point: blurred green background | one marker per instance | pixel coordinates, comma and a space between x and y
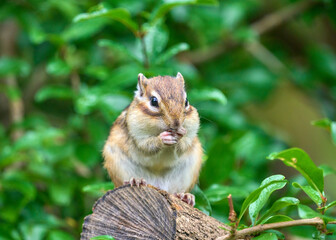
257, 71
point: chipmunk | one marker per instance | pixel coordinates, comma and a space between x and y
155, 139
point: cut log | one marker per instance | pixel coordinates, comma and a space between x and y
148, 213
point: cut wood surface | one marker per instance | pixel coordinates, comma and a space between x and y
148, 213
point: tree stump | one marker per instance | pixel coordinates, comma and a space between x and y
148, 213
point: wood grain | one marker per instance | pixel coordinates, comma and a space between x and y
148, 213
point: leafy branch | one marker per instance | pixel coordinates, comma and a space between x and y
299, 160
141, 31
259, 27
318, 222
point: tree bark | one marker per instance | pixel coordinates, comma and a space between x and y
148, 213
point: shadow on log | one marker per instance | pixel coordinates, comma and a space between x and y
148, 213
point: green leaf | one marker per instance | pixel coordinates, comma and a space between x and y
96, 99
264, 195
323, 60
277, 205
329, 125
255, 194
113, 103
245, 35
333, 132
219, 164
56, 92
121, 15
16, 192
325, 123
202, 202
156, 40
102, 237
83, 29
36, 33
279, 235
58, 67
327, 170
13, 66
266, 236
87, 154
276, 218
216, 192
59, 235
86, 102
19, 184
124, 76
307, 212
206, 94
33, 230
98, 188
13, 93
300, 160
312, 193
332, 204
164, 8
318, 235
35, 139
119, 47
171, 52
207, 2
61, 194
234, 13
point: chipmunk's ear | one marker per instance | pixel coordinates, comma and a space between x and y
142, 83
180, 77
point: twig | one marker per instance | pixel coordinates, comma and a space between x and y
232, 214
261, 26
15, 106
260, 228
199, 56
75, 81
323, 204
275, 19
267, 58
8, 33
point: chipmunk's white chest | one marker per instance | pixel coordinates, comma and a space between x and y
166, 170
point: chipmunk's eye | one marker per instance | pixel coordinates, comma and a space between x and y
186, 102
154, 102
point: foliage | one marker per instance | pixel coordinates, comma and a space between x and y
103, 237
73, 65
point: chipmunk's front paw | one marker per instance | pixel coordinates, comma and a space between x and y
186, 197
136, 182
168, 138
181, 131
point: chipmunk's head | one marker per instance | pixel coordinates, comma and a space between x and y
164, 99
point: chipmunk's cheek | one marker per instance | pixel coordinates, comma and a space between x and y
187, 125
153, 126
191, 126
162, 125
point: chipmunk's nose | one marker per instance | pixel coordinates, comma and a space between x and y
176, 123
